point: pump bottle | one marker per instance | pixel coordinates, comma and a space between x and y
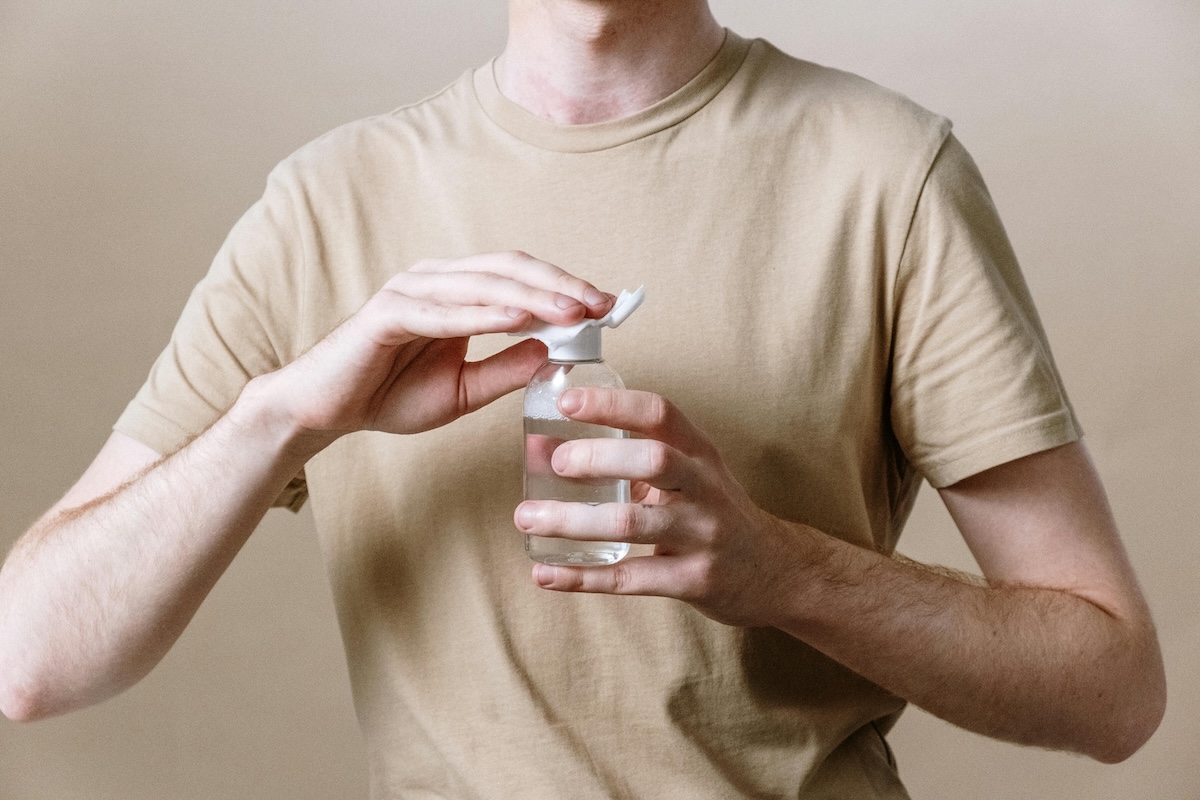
574, 360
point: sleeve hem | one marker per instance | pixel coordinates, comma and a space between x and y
1034, 436
152, 429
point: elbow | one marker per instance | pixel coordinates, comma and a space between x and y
1131, 724
31, 695
26, 693
1129, 734
1119, 745
21, 705
18, 712
29, 692
23, 696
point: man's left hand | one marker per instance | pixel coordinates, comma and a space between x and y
713, 547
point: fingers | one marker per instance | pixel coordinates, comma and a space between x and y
609, 522
524, 269
486, 289
657, 576
390, 319
670, 460
646, 413
646, 460
489, 293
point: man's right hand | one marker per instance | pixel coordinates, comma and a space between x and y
398, 365
95, 593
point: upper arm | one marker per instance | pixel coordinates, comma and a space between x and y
120, 459
1044, 521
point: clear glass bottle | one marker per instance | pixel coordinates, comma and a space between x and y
545, 430
575, 360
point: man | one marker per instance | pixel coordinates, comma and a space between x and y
834, 314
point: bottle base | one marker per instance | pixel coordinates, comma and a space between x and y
563, 552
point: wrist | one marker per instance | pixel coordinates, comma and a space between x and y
803, 569
262, 413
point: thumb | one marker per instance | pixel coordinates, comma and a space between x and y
495, 376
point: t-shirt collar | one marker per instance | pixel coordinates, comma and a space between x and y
669, 111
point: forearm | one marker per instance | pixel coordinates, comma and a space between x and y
91, 598
1057, 650
1037, 666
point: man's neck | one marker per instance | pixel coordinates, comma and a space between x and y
580, 61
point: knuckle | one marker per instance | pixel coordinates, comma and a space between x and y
628, 522
660, 411
593, 458
517, 258
705, 577
434, 310
602, 400
568, 283
708, 530
621, 579
657, 457
694, 582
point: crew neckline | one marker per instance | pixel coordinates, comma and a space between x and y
591, 137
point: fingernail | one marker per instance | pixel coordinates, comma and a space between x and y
570, 401
514, 312
526, 516
564, 302
595, 297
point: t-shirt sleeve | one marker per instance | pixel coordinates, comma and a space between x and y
239, 322
973, 382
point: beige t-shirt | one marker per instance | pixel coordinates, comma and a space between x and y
831, 298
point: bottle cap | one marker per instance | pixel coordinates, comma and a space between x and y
581, 341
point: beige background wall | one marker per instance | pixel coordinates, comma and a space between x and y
133, 134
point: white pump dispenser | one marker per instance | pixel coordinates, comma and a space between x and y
574, 361
581, 341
